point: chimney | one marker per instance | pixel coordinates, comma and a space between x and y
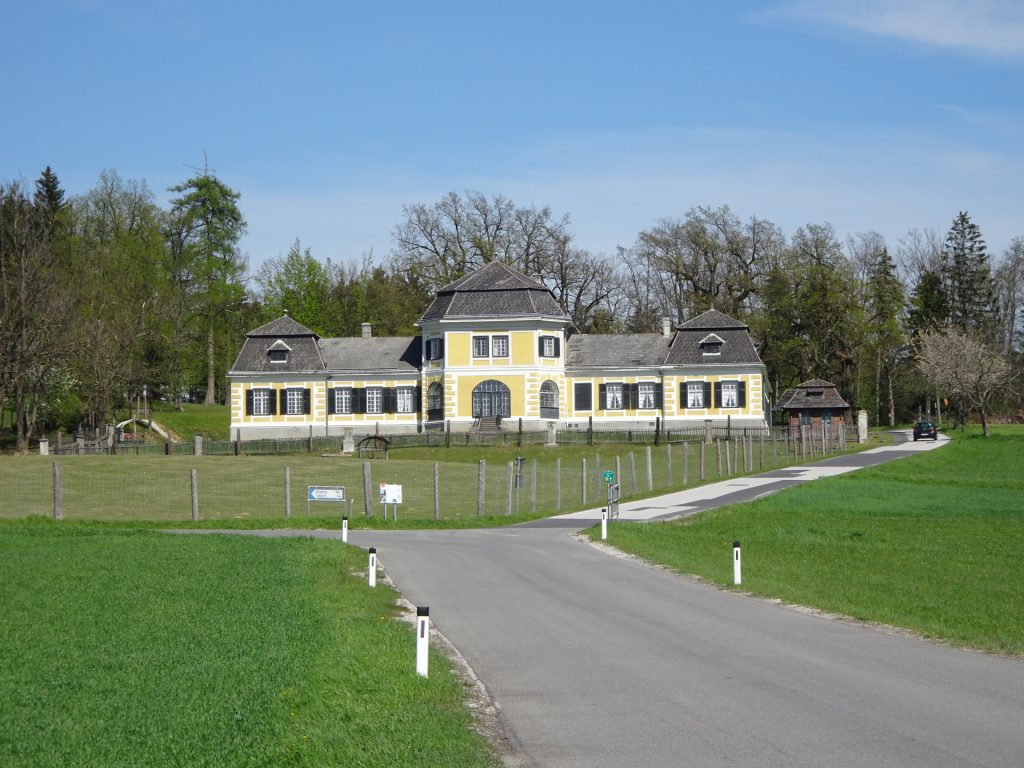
666, 327
367, 333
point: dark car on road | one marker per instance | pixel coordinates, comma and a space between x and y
924, 429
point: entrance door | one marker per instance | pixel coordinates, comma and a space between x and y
491, 398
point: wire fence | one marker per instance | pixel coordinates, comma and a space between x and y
271, 479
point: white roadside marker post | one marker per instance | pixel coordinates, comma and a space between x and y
736, 564
422, 639
344, 529
604, 525
372, 573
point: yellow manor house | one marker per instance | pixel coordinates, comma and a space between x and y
495, 351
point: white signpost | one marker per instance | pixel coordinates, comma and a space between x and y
390, 494
324, 493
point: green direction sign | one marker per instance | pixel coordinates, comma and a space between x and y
609, 477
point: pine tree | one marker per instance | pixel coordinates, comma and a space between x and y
967, 278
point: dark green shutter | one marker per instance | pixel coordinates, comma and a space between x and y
742, 394
282, 396
558, 347
359, 400
632, 393
602, 396
707, 394
718, 395
418, 402
248, 402
331, 408
583, 396
307, 402
683, 402
389, 400
657, 395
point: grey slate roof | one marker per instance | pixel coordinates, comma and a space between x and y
615, 351
495, 290
283, 326
381, 353
805, 396
737, 346
304, 355
711, 320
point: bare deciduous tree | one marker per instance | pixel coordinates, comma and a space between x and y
963, 367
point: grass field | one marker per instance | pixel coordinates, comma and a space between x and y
934, 543
249, 491
125, 648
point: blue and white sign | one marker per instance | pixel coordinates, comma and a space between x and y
326, 493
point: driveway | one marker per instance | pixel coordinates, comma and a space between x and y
596, 660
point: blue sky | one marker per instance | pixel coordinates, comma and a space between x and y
878, 115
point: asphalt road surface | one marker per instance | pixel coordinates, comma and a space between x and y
598, 660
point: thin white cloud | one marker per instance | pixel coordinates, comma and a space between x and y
984, 27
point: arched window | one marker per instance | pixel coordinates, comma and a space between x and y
435, 402
549, 400
491, 398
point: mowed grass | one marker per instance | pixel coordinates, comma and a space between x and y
932, 543
125, 648
249, 491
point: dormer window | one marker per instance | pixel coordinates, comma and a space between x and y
278, 352
711, 344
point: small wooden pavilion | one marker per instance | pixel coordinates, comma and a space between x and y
813, 404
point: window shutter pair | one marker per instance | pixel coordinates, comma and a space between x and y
282, 394
583, 396
557, 346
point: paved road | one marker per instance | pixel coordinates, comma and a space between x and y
596, 660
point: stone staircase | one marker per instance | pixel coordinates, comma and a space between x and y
490, 425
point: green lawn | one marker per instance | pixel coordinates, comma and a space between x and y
249, 491
210, 421
933, 543
124, 648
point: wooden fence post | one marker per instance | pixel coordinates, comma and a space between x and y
508, 489
437, 505
195, 496
686, 464
618, 473
367, 490
702, 444
481, 480
288, 493
650, 471
597, 477
58, 490
668, 455
632, 470
558, 484
583, 484
533, 485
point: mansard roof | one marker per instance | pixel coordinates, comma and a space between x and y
494, 291
709, 328
815, 393
283, 326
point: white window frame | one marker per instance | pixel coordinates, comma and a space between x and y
343, 400
500, 345
435, 396
646, 395
434, 349
375, 400
261, 401
730, 388
405, 399
294, 401
278, 356
695, 394
547, 346
613, 396
481, 347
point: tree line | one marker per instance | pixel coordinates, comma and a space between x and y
105, 294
